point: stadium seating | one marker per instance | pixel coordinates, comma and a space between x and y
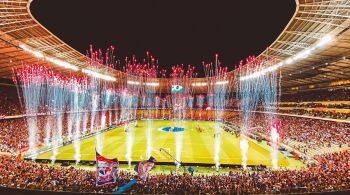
300, 133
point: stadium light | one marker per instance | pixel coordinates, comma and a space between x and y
58, 62
98, 75
133, 82
62, 63
301, 55
221, 83
37, 54
152, 84
200, 84
325, 40
289, 61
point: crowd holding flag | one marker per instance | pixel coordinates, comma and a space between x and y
106, 170
142, 168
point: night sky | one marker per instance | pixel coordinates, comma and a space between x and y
175, 32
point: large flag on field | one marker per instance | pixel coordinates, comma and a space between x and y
143, 168
106, 170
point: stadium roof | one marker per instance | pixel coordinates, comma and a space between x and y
312, 21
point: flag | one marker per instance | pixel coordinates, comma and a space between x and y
106, 170
125, 187
142, 168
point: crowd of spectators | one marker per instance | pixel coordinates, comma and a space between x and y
13, 135
319, 95
9, 103
331, 174
317, 113
334, 110
312, 133
318, 105
315, 133
14, 132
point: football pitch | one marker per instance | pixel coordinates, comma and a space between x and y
197, 146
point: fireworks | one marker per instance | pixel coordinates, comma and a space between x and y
218, 91
87, 104
181, 95
275, 131
45, 91
263, 91
62, 97
33, 80
140, 88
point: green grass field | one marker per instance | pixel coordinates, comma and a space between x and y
197, 147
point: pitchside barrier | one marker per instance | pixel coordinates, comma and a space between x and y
92, 163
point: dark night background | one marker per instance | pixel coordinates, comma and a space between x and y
175, 32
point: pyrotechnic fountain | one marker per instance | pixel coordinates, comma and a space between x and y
57, 93
78, 88
72, 98
169, 104
149, 72
141, 87
200, 104
181, 89
32, 79
210, 100
126, 112
116, 101
218, 91
74, 116
189, 104
64, 97
95, 58
150, 91
100, 90
156, 105
262, 90
163, 107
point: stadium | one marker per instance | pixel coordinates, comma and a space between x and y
73, 122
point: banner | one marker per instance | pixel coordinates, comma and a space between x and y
106, 170
143, 168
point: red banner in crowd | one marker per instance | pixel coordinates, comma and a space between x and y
106, 170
